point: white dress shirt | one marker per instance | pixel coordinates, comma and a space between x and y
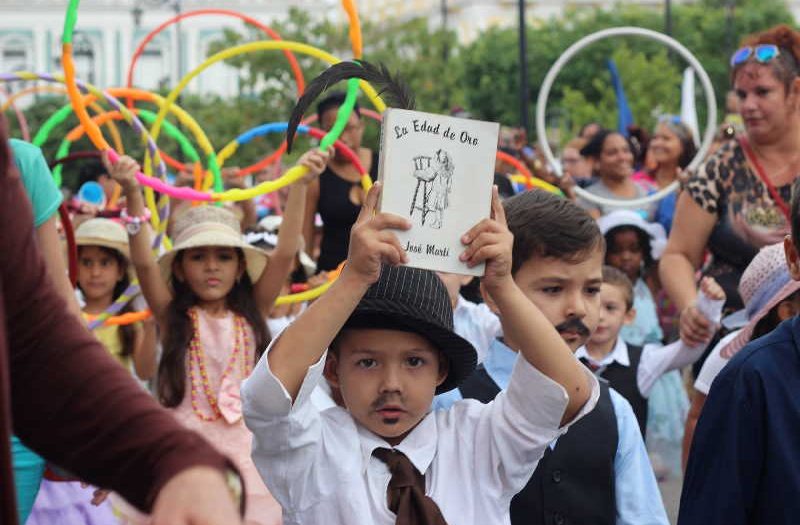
714, 364
656, 359
477, 324
475, 457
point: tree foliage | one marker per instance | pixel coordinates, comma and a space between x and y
482, 76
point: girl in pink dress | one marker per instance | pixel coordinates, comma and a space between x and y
210, 296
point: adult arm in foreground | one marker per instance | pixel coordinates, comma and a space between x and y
99, 423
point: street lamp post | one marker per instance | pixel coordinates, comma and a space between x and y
730, 8
523, 70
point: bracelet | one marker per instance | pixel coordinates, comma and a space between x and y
133, 224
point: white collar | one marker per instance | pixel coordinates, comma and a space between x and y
618, 354
419, 445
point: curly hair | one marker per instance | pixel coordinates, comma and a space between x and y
786, 66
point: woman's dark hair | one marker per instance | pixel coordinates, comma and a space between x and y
639, 140
644, 242
91, 171
545, 225
334, 100
171, 384
594, 148
770, 321
786, 66
684, 134
127, 333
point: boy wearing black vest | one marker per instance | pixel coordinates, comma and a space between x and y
598, 473
383, 336
633, 370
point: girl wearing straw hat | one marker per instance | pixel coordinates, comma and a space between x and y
104, 273
210, 295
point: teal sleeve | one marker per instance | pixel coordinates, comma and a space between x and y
45, 197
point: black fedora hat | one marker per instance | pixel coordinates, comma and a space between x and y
414, 300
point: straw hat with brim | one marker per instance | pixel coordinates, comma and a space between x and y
764, 284
105, 233
619, 218
211, 226
414, 300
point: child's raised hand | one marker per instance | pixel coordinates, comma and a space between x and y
315, 160
491, 242
372, 241
123, 171
711, 289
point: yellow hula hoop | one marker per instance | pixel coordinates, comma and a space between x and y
295, 173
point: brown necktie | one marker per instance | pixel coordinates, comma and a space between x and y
406, 492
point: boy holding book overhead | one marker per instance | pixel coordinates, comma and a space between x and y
383, 335
598, 473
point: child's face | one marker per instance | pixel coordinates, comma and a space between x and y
387, 379
567, 293
625, 253
614, 314
210, 271
98, 273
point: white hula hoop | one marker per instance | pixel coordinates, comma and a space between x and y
544, 93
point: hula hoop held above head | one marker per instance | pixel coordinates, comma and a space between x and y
544, 93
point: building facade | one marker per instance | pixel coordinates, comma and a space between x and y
108, 32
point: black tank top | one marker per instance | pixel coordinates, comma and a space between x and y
338, 214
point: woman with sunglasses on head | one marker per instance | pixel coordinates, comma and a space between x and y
736, 202
670, 150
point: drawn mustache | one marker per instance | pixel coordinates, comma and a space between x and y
386, 399
573, 324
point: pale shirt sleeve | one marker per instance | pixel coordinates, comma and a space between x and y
713, 365
657, 360
636, 489
477, 324
286, 435
511, 433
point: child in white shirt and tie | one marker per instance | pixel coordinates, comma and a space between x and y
383, 336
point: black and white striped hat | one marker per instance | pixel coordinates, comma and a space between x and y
414, 300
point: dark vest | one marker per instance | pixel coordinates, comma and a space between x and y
623, 380
573, 483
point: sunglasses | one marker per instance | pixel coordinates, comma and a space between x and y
762, 53
670, 119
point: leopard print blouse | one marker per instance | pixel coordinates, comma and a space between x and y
726, 186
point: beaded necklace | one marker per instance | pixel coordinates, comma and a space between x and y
197, 357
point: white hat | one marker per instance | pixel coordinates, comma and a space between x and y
272, 223
103, 232
211, 226
617, 218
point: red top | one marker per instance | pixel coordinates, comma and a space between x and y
64, 395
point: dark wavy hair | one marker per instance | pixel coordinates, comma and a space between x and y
127, 333
644, 242
171, 384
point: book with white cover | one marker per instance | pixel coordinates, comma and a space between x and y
437, 171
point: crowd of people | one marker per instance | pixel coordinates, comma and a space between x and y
663, 336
